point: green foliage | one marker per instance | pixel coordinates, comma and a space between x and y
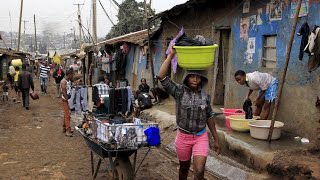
130, 18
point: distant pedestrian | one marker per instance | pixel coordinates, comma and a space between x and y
16, 87
5, 94
44, 77
25, 82
11, 74
58, 75
66, 95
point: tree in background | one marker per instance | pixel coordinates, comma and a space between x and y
130, 18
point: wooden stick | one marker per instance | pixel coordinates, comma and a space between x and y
283, 77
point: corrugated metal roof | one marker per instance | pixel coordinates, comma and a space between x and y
134, 38
9, 52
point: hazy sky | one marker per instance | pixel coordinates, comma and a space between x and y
61, 14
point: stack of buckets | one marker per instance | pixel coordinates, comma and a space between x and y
229, 112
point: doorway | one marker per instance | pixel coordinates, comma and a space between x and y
223, 59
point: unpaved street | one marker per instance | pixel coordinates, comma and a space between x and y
32, 146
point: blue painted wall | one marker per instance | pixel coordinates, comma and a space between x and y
301, 87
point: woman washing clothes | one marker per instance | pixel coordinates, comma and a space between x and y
267, 86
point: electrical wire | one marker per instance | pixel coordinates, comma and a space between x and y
106, 13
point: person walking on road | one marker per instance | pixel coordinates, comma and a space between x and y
66, 94
44, 77
11, 74
193, 115
25, 82
16, 87
58, 75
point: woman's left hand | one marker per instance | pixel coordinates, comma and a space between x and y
217, 148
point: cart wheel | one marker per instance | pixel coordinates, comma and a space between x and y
123, 169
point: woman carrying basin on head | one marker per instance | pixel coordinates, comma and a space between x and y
193, 115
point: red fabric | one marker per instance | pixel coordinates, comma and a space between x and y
59, 72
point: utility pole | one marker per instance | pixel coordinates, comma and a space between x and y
80, 28
75, 38
11, 29
24, 35
64, 40
19, 33
35, 33
147, 12
145, 17
94, 21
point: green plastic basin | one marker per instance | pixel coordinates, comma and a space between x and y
195, 57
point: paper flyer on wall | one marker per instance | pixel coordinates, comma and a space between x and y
304, 10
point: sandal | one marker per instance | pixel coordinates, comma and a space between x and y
69, 134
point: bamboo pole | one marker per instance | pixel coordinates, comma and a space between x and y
283, 77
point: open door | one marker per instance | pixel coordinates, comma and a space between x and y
221, 66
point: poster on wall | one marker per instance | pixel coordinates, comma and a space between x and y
246, 6
253, 22
248, 57
251, 47
244, 27
275, 10
259, 14
304, 10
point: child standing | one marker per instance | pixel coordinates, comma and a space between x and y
5, 89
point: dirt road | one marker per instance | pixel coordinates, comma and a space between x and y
32, 146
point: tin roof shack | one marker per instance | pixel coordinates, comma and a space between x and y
6, 55
253, 36
134, 62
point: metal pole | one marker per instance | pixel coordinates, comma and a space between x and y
94, 21
80, 32
64, 40
150, 55
283, 77
24, 35
35, 33
11, 29
19, 33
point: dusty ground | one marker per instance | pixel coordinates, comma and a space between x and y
32, 146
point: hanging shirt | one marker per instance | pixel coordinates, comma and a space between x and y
103, 89
105, 64
259, 81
